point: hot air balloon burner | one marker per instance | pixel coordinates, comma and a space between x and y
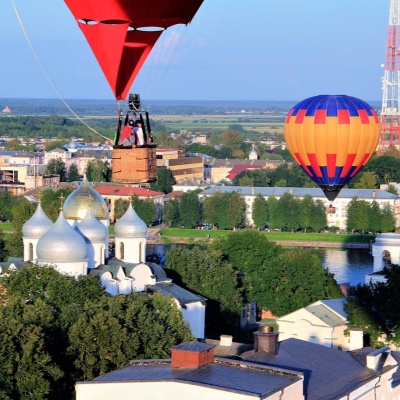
134, 101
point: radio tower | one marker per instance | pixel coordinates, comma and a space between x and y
390, 114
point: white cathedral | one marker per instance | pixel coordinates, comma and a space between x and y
78, 244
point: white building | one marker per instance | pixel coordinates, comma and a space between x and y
385, 251
323, 322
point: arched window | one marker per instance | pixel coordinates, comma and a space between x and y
121, 251
30, 252
141, 252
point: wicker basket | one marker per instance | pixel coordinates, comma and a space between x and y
134, 165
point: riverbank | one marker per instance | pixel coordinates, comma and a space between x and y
317, 240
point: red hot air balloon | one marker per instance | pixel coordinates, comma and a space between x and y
121, 33
332, 137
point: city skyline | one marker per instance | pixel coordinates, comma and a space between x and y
232, 50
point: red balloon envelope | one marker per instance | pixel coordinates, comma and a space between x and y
114, 31
332, 138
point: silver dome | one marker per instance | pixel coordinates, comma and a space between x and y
92, 229
79, 201
61, 243
37, 225
130, 225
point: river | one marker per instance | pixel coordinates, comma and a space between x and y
348, 265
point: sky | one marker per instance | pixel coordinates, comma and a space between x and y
277, 50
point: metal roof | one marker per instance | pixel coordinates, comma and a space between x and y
328, 373
170, 289
301, 192
228, 375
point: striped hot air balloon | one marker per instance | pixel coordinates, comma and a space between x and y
332, 137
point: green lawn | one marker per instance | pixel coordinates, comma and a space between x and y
274, 236
6, 226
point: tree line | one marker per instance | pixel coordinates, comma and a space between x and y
363, 216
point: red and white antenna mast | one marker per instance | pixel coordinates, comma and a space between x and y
390, 114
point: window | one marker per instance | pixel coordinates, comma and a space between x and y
30, 252
121, 251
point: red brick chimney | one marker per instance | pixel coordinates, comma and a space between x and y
265, 339
192, 355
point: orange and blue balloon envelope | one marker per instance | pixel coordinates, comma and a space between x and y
332, 137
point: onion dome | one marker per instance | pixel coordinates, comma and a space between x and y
37, 225
130, 225
80, 200
61, 243
92, 229
72, 146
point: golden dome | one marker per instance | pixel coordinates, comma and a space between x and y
80, 200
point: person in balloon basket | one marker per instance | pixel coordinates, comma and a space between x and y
138, 132
130, 140
126, 132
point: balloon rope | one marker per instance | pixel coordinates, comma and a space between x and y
48, 78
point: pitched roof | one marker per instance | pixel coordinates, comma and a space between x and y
328, 373
170, 289
237, 169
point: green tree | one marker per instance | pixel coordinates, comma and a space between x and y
374, 217
212, 206
52, 201
255, 177
307, 206
357, 215
295, 279
22, 210
272, 205
388, 219
205, 272
56, 144
288, 212
392, 189
3, 249
251, 253
171, 213
56, 166
386, 168
120, 207
189, 209
231, 139
318, 219
235, 210
246, 181
98, 171
367, 181
165, 180
6, 201
73, 174
260, 211
146, 209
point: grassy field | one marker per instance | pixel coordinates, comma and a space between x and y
262, 123
274, 236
